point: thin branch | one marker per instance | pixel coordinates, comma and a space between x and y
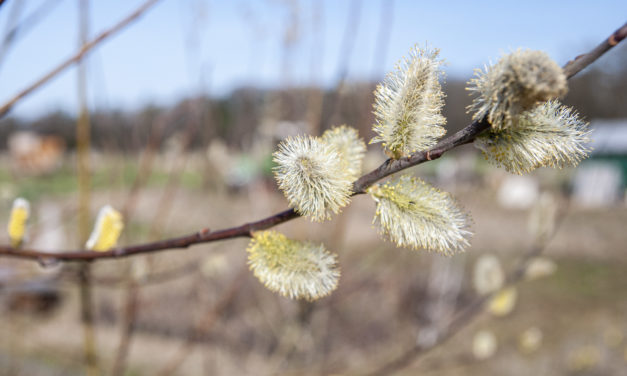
580, 62
388, 167
83, 140
131, 306
348, 41
386, 22
204, 324
151, 279
164, 206
77, 56
15, 31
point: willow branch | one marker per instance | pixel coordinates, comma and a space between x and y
580, 62
77, 56
389, 167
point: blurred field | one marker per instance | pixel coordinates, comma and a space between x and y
383, 300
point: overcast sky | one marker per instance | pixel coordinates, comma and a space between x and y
184, 47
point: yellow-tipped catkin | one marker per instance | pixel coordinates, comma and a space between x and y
413, 214
17, 221
408, 105
106, 231
351, 149
503, 302
549, 135
516, 83
295, 269
312, 177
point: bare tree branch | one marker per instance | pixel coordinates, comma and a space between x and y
580, 62
77, 56
388, 167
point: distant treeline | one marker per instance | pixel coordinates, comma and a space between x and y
600, 92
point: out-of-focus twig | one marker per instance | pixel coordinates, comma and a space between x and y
163, 209
15, 30
316, 94
348, 41
5, 108
152, 278
389, 167
580, 62
87, 318
468, 313
205, 323
11, 27
128, 327
383, 35
82, 151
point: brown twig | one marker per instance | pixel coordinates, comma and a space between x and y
87, 319
83, 139
77, 56
16, 30
580, 62
389, 167
348, 41
164, 206
205, 323
131, 304
153, 278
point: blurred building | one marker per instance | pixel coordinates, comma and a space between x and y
601, 179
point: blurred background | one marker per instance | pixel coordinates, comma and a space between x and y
182, 109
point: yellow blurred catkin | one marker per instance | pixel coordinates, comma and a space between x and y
107, 230
503, 302
17, 221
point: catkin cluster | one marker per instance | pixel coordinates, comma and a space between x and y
549, 135
516, 83
529, 129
